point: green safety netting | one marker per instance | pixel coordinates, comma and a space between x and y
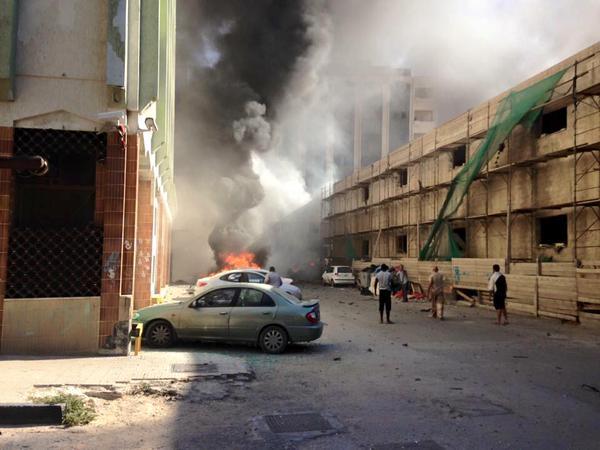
517, 108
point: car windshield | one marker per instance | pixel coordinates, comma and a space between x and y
344, 269
288, 297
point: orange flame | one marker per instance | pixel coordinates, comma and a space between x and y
242, 260
231, 261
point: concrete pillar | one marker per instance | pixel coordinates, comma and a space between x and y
385, 121
6, 186
357, 134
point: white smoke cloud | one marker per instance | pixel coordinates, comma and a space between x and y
254, 130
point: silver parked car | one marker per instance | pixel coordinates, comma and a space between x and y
244, 312
248, 276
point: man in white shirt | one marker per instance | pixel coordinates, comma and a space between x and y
403, 281
383, 279
273, 278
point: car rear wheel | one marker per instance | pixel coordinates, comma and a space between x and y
273, 340
160, 334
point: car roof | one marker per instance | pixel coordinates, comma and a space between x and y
249, 269
227, 272
258, 286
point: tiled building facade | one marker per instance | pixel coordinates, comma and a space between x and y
85, 244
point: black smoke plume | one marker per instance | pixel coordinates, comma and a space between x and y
234, 61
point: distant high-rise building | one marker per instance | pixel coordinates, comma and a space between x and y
391, 107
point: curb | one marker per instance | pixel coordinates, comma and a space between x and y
30, 414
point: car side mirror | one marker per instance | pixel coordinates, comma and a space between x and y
198, 303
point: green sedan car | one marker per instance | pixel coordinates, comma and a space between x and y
247, 312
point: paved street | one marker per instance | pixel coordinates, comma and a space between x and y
464, 383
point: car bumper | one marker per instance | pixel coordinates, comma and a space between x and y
344, 281
306, 333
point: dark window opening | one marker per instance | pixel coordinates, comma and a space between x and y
403, 177
402, 244
460, 235
365, 247
553, 230
366, 194
459, 156
55, 248
554, 121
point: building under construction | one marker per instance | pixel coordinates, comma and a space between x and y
514, 181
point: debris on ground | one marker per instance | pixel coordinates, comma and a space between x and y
337, 358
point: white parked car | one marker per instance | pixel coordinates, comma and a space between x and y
248, 276
336, 275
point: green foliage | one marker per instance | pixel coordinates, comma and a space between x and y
77, 410
142, 389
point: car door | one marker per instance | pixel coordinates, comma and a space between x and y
252, 311
326, 275
208, 316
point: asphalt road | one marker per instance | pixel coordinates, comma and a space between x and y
464, 383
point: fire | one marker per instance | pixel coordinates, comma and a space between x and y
231, 261
242, 260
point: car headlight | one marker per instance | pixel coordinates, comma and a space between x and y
136, 316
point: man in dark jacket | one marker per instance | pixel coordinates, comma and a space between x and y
498, 287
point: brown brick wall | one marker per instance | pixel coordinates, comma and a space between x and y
6, 186
113, 200
164, 251
131, 186
142, 295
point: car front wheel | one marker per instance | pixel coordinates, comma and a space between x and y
273, 340
160, 334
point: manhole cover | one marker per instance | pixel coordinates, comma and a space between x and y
297, 423
194, 368
478, 407
420, 445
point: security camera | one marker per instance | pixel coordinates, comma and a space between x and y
112, 116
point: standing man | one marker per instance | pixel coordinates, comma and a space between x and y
436, 293
404, 283
273, 278
498, 287
383, 279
